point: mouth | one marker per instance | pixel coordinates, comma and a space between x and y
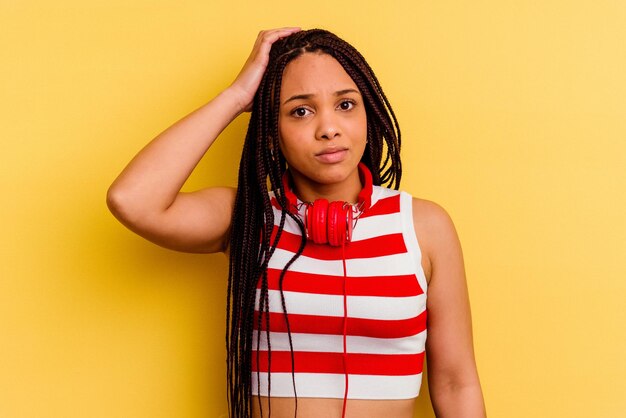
332, 155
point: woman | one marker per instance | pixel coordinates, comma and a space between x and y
327, 284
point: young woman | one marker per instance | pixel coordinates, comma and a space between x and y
327, 284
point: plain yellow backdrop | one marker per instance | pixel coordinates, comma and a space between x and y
513, 117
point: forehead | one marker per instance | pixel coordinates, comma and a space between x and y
314, 73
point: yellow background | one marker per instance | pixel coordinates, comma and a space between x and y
513, 115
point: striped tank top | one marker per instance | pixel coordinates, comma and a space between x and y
385, 317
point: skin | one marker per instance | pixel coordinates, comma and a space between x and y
322, 127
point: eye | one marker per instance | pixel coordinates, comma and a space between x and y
346, 105
300, 112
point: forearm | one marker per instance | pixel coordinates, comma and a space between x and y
458, 401
152, 180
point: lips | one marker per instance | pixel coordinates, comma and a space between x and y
332, 155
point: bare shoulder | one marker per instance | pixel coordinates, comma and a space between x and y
431, 217
435, 232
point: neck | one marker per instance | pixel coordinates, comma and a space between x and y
346, 191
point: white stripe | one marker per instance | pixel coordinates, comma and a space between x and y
334, 343
290, 225
388, 265
326, 385
367, 307
370, 227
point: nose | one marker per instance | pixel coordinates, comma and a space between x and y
327, 125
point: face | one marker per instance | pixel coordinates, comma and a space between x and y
322, 122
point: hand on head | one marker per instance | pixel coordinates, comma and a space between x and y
249, 78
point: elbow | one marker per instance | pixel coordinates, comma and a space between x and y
114, 201
457, 397
119, 204
454, 379
131, 209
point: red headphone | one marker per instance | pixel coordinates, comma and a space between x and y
331, 222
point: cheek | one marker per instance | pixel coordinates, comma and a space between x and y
291, 135
283, 133
288, 142
361, 127
283, 136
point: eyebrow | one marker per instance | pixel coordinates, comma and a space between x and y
308, 96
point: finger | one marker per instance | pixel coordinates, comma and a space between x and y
285, 29
267, 38
273, 35
264, 34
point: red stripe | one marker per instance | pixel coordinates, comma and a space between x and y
368, 248
384, 286
357, 363
275, 203
384, 206
333, 325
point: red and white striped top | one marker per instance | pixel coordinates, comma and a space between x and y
386, 310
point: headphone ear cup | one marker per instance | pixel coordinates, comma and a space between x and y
316, 221
337, 222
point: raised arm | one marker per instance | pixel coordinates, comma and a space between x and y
452, 376
146, 196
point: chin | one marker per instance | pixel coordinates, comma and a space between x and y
335, 173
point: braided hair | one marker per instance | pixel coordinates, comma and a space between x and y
251, 243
